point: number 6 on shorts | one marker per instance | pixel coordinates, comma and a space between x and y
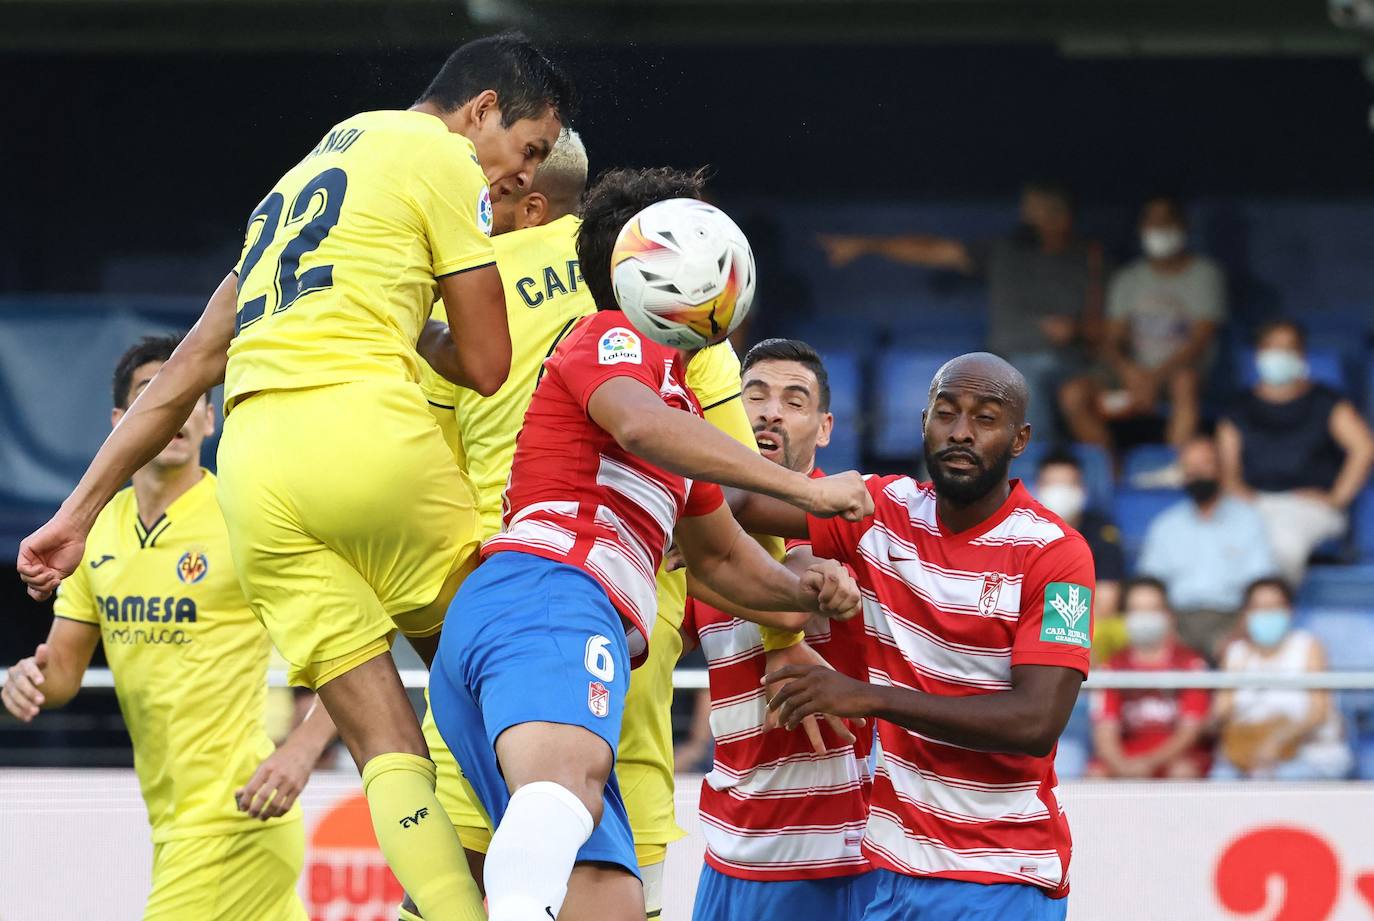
598, 658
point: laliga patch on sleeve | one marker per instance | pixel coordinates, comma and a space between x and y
1066, 617
484, 211
619, 346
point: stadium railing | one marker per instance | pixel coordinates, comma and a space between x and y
689, 679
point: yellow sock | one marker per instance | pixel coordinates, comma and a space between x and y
417, 838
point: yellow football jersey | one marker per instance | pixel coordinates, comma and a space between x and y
545, 296
188, 656
340, 260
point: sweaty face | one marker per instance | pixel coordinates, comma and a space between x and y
184, 448
509, 156
782, 399
971, 434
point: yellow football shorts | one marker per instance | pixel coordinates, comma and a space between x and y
347, 520
247, 876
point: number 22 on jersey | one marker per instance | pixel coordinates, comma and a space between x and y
313, 213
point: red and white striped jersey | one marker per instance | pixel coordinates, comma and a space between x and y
771, 808
950, 614
576, 496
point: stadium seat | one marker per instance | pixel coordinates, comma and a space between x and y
1325, 365
900, 387
1134, 509
1347, 634
1143, 460
1362, 526
845, 450
1097, 470
1337, 587
1075, 742
1364, 758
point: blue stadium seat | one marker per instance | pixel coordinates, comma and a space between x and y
1364, 758
845, 450
1075, 743
1134, 509
1146, 459
1337, 587
900, 387
1096, 464
1325, 365
834, 332
1347, 634
1362, 525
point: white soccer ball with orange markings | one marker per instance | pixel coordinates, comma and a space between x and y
683, 273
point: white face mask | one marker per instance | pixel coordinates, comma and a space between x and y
1162, 242
1064, 500
1277, 367
1146, 629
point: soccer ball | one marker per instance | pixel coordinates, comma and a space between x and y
683, 273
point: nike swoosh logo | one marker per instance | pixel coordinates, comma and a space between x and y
96, 564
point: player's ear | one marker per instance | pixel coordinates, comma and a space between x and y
827, 426
533, 209
115, 415
484, 105
211, 418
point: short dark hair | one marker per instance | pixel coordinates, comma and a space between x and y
149, 348
1286, 589
1059, 456
1172, 201
1269, 326
1053, 188
525, 81
616, 196
792, 350
1140, 582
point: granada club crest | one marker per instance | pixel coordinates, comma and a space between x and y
992, 590
598, 699
192, 566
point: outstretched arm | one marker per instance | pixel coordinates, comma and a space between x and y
1024, 720
52, 675
48, 555
918, 249
641, 423
732, 565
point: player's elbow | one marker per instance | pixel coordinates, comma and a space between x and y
490, 374
634, 432
1036, 736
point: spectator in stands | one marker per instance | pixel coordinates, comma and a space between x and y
1151, 732
1163, 311
1298, 448
1059, 485
1206, 549
1044, 282
1277, 732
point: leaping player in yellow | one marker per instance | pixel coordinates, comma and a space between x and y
347, 518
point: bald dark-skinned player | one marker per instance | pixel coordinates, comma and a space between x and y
977, 607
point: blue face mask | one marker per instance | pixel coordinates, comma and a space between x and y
1266, 627
1277, 367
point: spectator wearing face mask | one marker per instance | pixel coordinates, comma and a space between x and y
1298, 448
1163, 311
1059, 486
1045, 285
1150, 732
1206, 549
1277, 732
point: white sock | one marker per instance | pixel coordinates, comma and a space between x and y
533, 851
